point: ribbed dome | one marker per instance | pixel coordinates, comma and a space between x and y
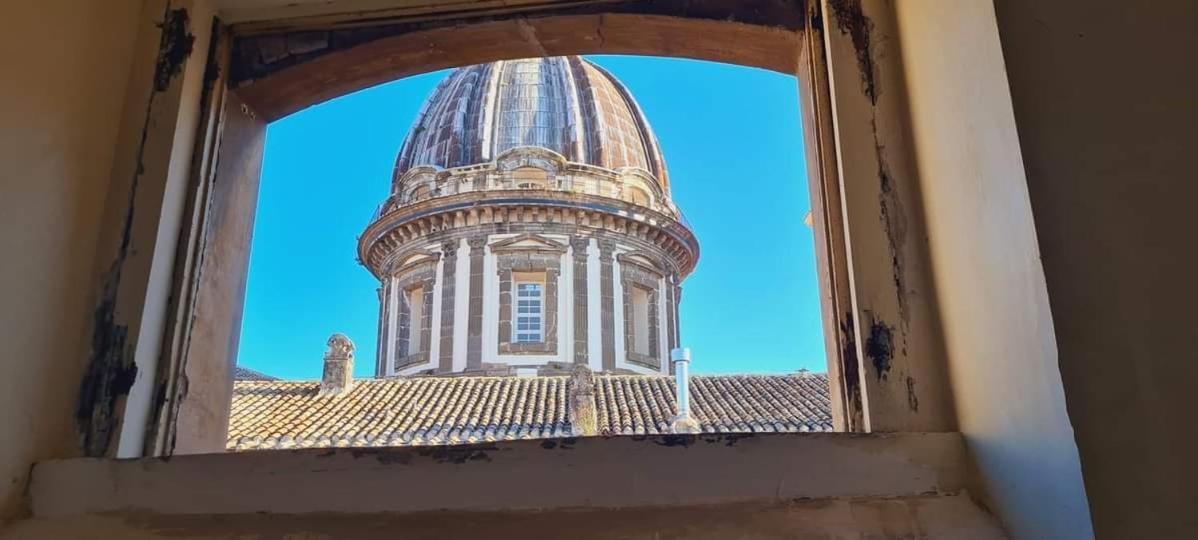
565, 104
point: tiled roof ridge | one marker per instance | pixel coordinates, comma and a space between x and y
242, 373
505, 377
431, 410
719, 376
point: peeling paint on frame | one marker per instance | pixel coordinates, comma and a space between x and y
111, 370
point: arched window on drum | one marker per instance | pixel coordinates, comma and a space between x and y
530, 178
420, 193
637, 196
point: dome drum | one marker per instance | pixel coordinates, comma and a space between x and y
418, 221
419, 303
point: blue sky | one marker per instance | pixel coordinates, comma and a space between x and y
732, 141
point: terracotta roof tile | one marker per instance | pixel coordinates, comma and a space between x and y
271, 414
247, 374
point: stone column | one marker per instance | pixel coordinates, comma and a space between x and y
677, 323
474, 332
386, 335
380, 357
580, 298
607, 297
426, 317
403, 324
449, 258
671, 313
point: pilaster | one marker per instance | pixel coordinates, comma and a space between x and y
579, 247
474, 332
449, 256
607, 296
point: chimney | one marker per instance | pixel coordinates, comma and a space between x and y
338, 375
683, 423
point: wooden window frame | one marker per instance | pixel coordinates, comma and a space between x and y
885, 349
540, 298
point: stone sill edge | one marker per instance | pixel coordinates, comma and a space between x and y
595, 472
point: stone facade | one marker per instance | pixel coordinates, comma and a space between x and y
518, 242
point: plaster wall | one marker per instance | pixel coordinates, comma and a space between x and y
998, 328
1105, 102
73, 63
878, 517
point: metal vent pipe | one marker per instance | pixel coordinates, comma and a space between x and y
684, 422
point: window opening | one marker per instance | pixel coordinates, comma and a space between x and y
530, 312
415, 299
530, 178
420, 193
638, 196
480, 284
640, 318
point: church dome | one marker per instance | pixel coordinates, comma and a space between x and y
564, 104
529, 197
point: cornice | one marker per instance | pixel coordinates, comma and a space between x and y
401, 226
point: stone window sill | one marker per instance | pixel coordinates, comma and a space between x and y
644, 360
563, 473
540, 347
411, 360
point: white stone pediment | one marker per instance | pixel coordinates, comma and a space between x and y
641, 260
530, 156
415, 258
529, 242
421, 174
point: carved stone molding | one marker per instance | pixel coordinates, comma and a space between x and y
529, 243
508, 262
634, 274
586, 214
423, 276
